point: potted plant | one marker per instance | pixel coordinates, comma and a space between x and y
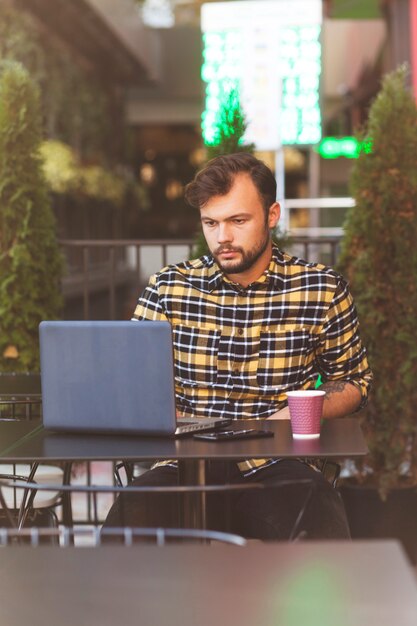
379, 258
30, 261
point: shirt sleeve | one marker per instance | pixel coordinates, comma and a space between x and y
149, 306
340, 353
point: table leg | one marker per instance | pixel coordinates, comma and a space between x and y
27, 498
66, 497
193, 512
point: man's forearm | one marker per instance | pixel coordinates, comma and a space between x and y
342, 398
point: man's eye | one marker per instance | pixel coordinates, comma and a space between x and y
239, 221
208, 223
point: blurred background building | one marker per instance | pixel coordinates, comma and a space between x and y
145, 59
123, 95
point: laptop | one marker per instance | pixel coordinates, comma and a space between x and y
112, 377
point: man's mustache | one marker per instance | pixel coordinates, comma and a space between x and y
221, 249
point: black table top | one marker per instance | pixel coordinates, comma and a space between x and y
337, 583
28, 441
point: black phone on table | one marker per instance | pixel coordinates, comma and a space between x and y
232, 435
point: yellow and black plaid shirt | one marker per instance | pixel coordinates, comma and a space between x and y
238, 350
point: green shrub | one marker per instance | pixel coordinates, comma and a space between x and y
379, 258
30, 261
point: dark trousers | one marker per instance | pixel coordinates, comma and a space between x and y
267, 513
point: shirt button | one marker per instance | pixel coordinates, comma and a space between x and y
240, 331
236, 372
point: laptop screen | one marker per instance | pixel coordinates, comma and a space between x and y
105, 376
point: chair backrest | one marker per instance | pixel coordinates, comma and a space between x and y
93, 537
31, 488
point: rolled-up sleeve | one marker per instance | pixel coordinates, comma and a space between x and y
340, 354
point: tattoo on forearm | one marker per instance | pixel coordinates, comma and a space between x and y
335, 386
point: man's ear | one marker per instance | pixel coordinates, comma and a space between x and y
274, 214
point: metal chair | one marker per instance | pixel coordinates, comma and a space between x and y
21, 399
130, 471
330, 470
92, 537
31, 489
16, 504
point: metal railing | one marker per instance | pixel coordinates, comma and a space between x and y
316, 210
20, 396
106, 266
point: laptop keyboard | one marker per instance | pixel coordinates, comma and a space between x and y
185, 422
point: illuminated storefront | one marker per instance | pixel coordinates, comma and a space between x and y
269, 51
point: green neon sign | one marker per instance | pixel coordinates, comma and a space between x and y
272, 61
300, 69
348, 147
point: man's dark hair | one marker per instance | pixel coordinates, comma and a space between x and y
217, 177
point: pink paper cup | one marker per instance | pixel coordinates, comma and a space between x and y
306, 409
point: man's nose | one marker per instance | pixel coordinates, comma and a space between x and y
224, 234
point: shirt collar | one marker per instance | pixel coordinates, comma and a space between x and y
276, 271
215, 276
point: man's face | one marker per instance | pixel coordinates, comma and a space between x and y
236, 229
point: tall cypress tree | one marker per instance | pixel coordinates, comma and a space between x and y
379, 258
230, 128
30, 261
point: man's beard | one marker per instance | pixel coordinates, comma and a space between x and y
248, 258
